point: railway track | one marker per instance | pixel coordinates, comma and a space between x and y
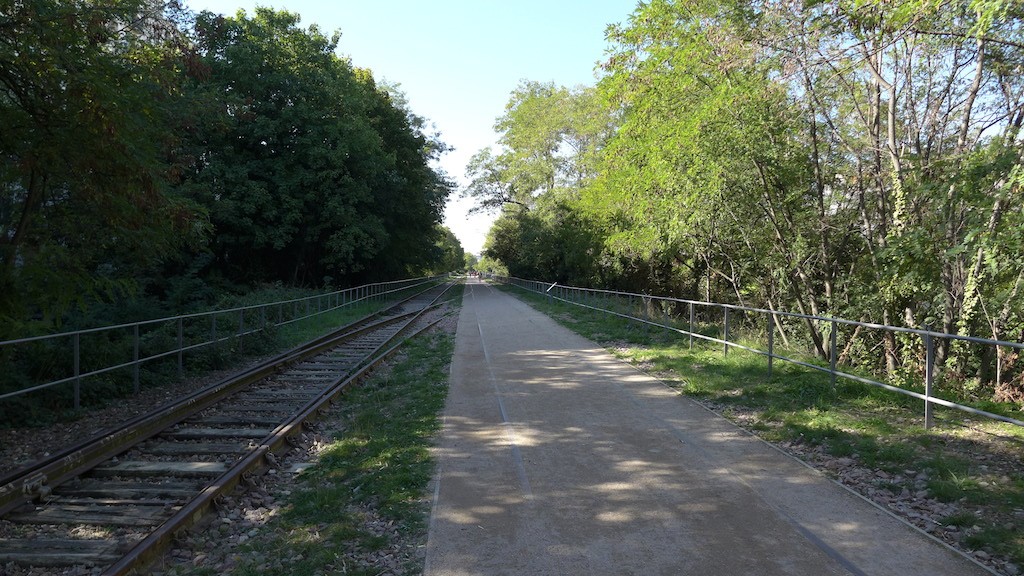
117, 500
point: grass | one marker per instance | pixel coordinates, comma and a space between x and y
970, 464
374, 471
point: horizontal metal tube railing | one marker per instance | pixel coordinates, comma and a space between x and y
565, 293
340, 299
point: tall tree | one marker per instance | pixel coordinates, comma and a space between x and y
88, 94
848, 158
451, 256
548, 138
310, 171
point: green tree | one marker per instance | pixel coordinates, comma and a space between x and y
835, 157
452, 257
914, 122
309, 169
703, 184
410, 192
551, 242
88, 104
548, 136
858, 159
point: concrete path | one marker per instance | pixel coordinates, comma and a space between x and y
558, 459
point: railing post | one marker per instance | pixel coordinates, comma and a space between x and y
78, 371
771, 343
213, 331
929, 377
181, 346
241, 328
135, 359
999, 368
725, 334
832, 353
691, 325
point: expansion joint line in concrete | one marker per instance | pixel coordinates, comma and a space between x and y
510, 433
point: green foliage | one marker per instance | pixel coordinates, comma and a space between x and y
89, 95
48, 360
153, 161
308, 169
849, 159
548, 137
551, 241
489, 265
452, 257
379, 463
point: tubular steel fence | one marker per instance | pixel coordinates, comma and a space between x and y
697, 315
176, 335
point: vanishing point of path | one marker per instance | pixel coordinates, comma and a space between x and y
558, 459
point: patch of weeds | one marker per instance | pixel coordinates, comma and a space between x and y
952, 486
895, 455
841, 448
1012, 495
990, 537
876, 425
961, 519
376, 469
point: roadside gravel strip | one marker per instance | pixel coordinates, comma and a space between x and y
556, 458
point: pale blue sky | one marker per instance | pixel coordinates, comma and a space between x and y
458, 60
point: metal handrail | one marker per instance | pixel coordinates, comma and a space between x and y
335, 299
564, 294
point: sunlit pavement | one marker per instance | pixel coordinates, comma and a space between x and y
556, 458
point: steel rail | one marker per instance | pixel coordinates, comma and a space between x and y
147, 549
153, 545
